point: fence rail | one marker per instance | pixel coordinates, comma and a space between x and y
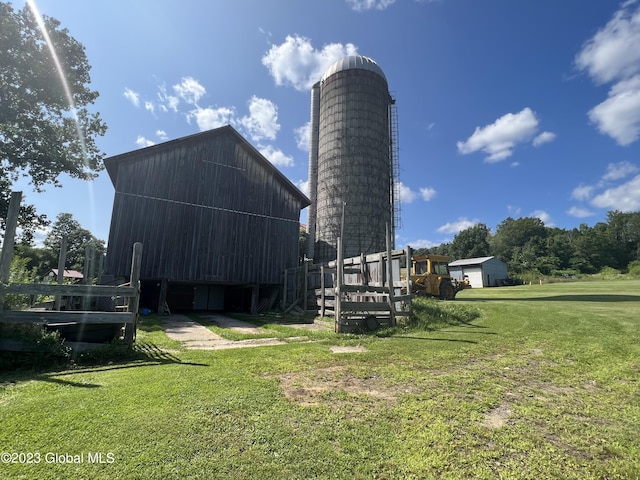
66, 318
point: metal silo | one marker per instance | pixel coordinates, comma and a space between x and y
351, 175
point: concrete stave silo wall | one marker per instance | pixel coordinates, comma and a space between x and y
353, 169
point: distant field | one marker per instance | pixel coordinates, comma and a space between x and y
538, 381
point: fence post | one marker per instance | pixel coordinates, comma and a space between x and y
134, 302
392, 304
62, 261
8, 242
338, 287
322, 295
89, 254
305, 287
408, 267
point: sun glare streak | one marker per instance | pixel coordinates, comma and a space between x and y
67, 91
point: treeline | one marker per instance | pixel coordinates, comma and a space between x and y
31, 263
528, 247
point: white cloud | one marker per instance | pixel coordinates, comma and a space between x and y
277, 157
303, 135
406, 194
616, 171
262, 121
132, 96
143, 142
625, 197
423, 244
167, 102
162, 135
544, 216
150, 107
612, 55
296, 63
619, 115
459, 225
427, 193
579, 212
189, 90
582, 192
209, 118
513, 210
501, 137
544, 137
362, 5
303, 186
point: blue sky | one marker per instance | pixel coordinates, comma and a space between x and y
506, 109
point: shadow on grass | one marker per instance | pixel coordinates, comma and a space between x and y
599, 298
431, 339
142, 354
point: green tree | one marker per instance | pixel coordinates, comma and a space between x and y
38, 260
45, 126
303, 238
78, 239
19, 272
623, 235
520, 243
471, 243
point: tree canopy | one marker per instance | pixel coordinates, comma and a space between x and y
78, 238
526, 245
46, 128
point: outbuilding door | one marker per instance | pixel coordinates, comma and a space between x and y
475, 276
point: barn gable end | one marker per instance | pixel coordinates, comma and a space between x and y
208, 208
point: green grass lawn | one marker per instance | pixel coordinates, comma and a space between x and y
535, 382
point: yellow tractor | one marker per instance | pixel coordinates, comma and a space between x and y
430, 277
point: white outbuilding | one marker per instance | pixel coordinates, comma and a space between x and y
481, 272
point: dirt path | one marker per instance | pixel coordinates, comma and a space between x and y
197, 337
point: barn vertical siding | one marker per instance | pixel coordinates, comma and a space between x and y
209, 209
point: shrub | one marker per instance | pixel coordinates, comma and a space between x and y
609, 272
431, 314
45, 348
633, 269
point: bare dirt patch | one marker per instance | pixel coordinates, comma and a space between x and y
233, 324
356, 349
227, 344
319, 386
197, 337
497, 417
317, 325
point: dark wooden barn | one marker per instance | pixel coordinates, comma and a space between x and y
219, 223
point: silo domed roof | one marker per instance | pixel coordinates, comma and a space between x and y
353, 62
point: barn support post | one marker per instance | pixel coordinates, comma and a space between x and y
134, 302
162, 298
62, 261
284, 289
255, 295
9, 240
392, 304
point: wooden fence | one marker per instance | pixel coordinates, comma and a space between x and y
369, 291
361, 292
126, 318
